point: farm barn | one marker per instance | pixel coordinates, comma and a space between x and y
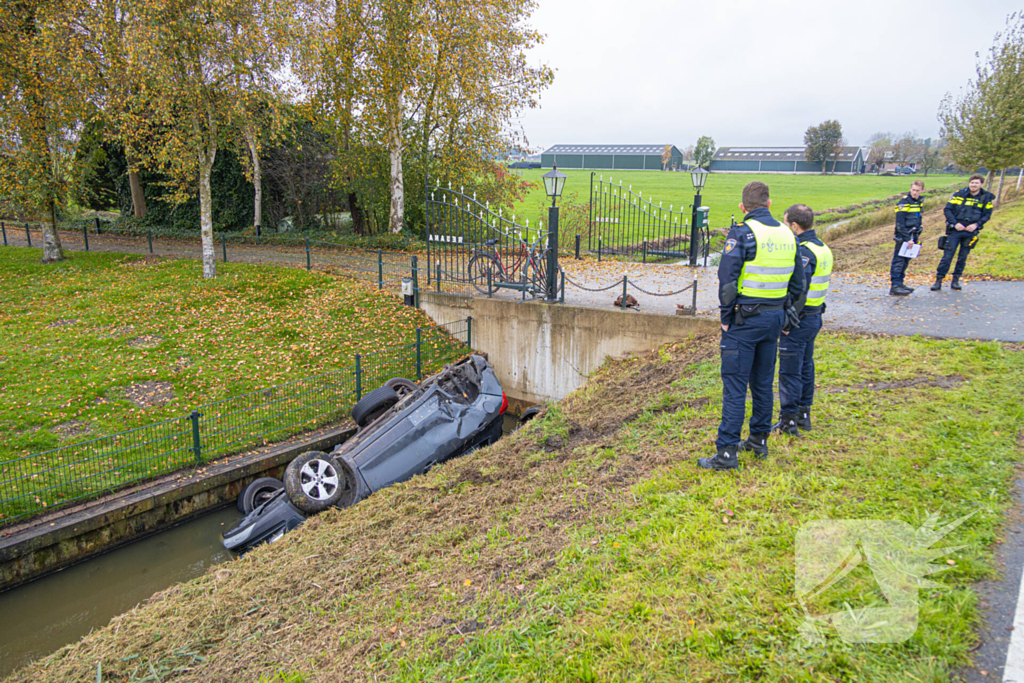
611, 157
783, 160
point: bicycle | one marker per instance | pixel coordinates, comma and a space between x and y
488, 271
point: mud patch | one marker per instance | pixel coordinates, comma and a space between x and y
147, 260
947, 382
116, 332
62, 322
180, 364
149, 394
71, 429
146, 341
475, 476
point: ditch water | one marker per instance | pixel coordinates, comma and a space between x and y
49, 613
45, 615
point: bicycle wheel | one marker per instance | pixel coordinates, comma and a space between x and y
477, 269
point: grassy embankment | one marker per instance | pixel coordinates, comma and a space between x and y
589, 547
723, 190
78, 339
999, 253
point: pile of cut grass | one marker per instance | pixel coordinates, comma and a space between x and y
589, 547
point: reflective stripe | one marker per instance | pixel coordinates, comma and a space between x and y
822, 273
766, 285
768, 270
819, 279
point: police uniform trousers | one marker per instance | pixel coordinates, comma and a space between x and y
796, 364
748, 359
958, 238
898, 267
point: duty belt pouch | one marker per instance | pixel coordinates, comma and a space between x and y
749, 310
942, 242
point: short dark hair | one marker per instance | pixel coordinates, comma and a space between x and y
976, 176
755, 195
800, 214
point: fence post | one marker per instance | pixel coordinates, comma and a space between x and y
469, 331
85, 236
438, 278
415, 281
490, 283
380, 269
599, 249
309, 266
224, 247
149, 235
562, 299
625, 283
28, 235
196, 446
577, 246
419, 356
645, 251
97, 220
3, 228
359, 377
694, 309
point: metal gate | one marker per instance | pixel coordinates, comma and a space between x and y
623, 221
471, 244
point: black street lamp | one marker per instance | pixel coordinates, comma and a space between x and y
554, 183
699, 176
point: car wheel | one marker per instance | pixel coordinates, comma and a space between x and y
373, 405
402, 386
313, 481
349, 492
529, 414
258, 492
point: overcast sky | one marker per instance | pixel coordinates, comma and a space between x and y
750, 72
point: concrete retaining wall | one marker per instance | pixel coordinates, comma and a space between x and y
542, 352
57, 540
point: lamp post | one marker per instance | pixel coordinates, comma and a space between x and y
699, 176
554, 182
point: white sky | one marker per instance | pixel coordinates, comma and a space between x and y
750, 72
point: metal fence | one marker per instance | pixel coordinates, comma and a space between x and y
48, 480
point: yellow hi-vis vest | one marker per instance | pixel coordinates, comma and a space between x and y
767, 276
822, 273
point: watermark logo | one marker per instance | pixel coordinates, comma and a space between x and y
894, 554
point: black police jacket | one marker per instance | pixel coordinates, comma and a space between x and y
965, 208
740, 247
908, 218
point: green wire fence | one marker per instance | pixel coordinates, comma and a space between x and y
55, 478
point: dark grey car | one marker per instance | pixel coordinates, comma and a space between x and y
404, 430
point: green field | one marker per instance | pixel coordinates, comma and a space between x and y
723, 190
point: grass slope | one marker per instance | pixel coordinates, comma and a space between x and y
723, 190
999, 252
589, 547
75, 336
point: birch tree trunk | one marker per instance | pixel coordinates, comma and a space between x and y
1020, 177
999, 193
52, 249
257, 179
138, 194
206, 156
397, 215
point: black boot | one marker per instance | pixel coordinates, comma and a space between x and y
938, 284
955, 284
803, 418
900, 290
757, 443
724, 459
787, 424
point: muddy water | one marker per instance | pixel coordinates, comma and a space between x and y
43, 616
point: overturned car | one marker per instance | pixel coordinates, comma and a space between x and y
402, 429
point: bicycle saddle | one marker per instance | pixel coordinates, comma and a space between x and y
491, 243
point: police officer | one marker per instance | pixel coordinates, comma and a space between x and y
759, 285
967, 211
908, 229
796, 346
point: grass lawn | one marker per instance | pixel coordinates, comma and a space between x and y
589, 546
106, 342
723, 190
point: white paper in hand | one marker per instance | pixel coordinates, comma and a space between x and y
910, 250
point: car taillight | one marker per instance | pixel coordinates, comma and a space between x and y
504, 403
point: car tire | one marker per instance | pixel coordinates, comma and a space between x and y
350, 489
257, 493
373, 405
529, 414
314, 481
402, 386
